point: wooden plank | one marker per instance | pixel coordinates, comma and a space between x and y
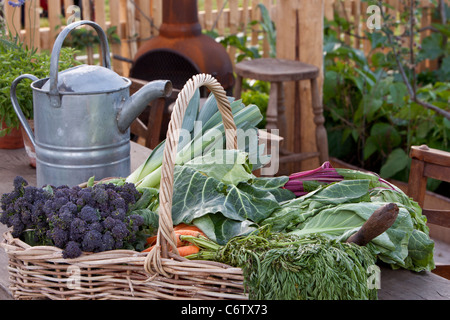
234, 22
54, 21
114, 12
417, 181
32, 25
157, 12
131, 28
245, 15
310, 35
208, 15
67, 5
86, 10
100, 14
266, 44
347, 10
255, 16
329, 9
406, 285
287, 48
145, 28
220, 26
12, 20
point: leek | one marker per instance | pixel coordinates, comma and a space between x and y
206, 130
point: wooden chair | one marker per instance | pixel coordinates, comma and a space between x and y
430, 163
148, 127
278, 71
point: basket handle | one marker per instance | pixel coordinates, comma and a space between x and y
166, 237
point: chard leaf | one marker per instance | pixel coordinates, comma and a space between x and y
274, 186
343, 191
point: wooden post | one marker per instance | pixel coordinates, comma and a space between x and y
67, 4
32, 24
131, 28
254, 17
234, 22
220, 18
157, 14
300, 37
114, 12
54, 21
145, 27
208, 20
12, 20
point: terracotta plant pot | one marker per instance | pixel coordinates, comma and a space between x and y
12, 140
29, 147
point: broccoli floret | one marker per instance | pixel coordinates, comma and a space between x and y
96, 226
19, 183
99, 194
109, 223
72, 250
120, 231
108, 241
88, 214
92, 241
78, 228
59, 237
135, 221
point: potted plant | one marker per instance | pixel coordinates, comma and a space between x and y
16, 59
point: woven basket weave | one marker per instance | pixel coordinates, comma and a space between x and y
41, 272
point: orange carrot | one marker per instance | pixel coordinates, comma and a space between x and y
183, 226
180, 243
192, 233
151, 240
187, 250
148, 249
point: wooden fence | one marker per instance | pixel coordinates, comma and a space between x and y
137, 20
299, 25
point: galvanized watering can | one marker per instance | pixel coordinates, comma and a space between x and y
82, 117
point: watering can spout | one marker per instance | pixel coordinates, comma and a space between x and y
136, 104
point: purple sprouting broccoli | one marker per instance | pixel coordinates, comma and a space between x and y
59, 237
89, 214
78, 228
120, 231
76, 219
22, 207
72, 250
108, 241
92, 241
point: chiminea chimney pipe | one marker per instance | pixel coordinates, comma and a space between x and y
182, 50
178, 22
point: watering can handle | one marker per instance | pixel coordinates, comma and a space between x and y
17, 108
54, 61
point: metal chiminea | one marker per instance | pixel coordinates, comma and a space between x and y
181, 50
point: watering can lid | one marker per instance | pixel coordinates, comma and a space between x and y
88, 79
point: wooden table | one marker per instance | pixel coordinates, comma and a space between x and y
394, 285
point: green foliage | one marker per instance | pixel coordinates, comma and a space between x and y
16, 60
371, 117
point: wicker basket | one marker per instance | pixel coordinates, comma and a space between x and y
41, 272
